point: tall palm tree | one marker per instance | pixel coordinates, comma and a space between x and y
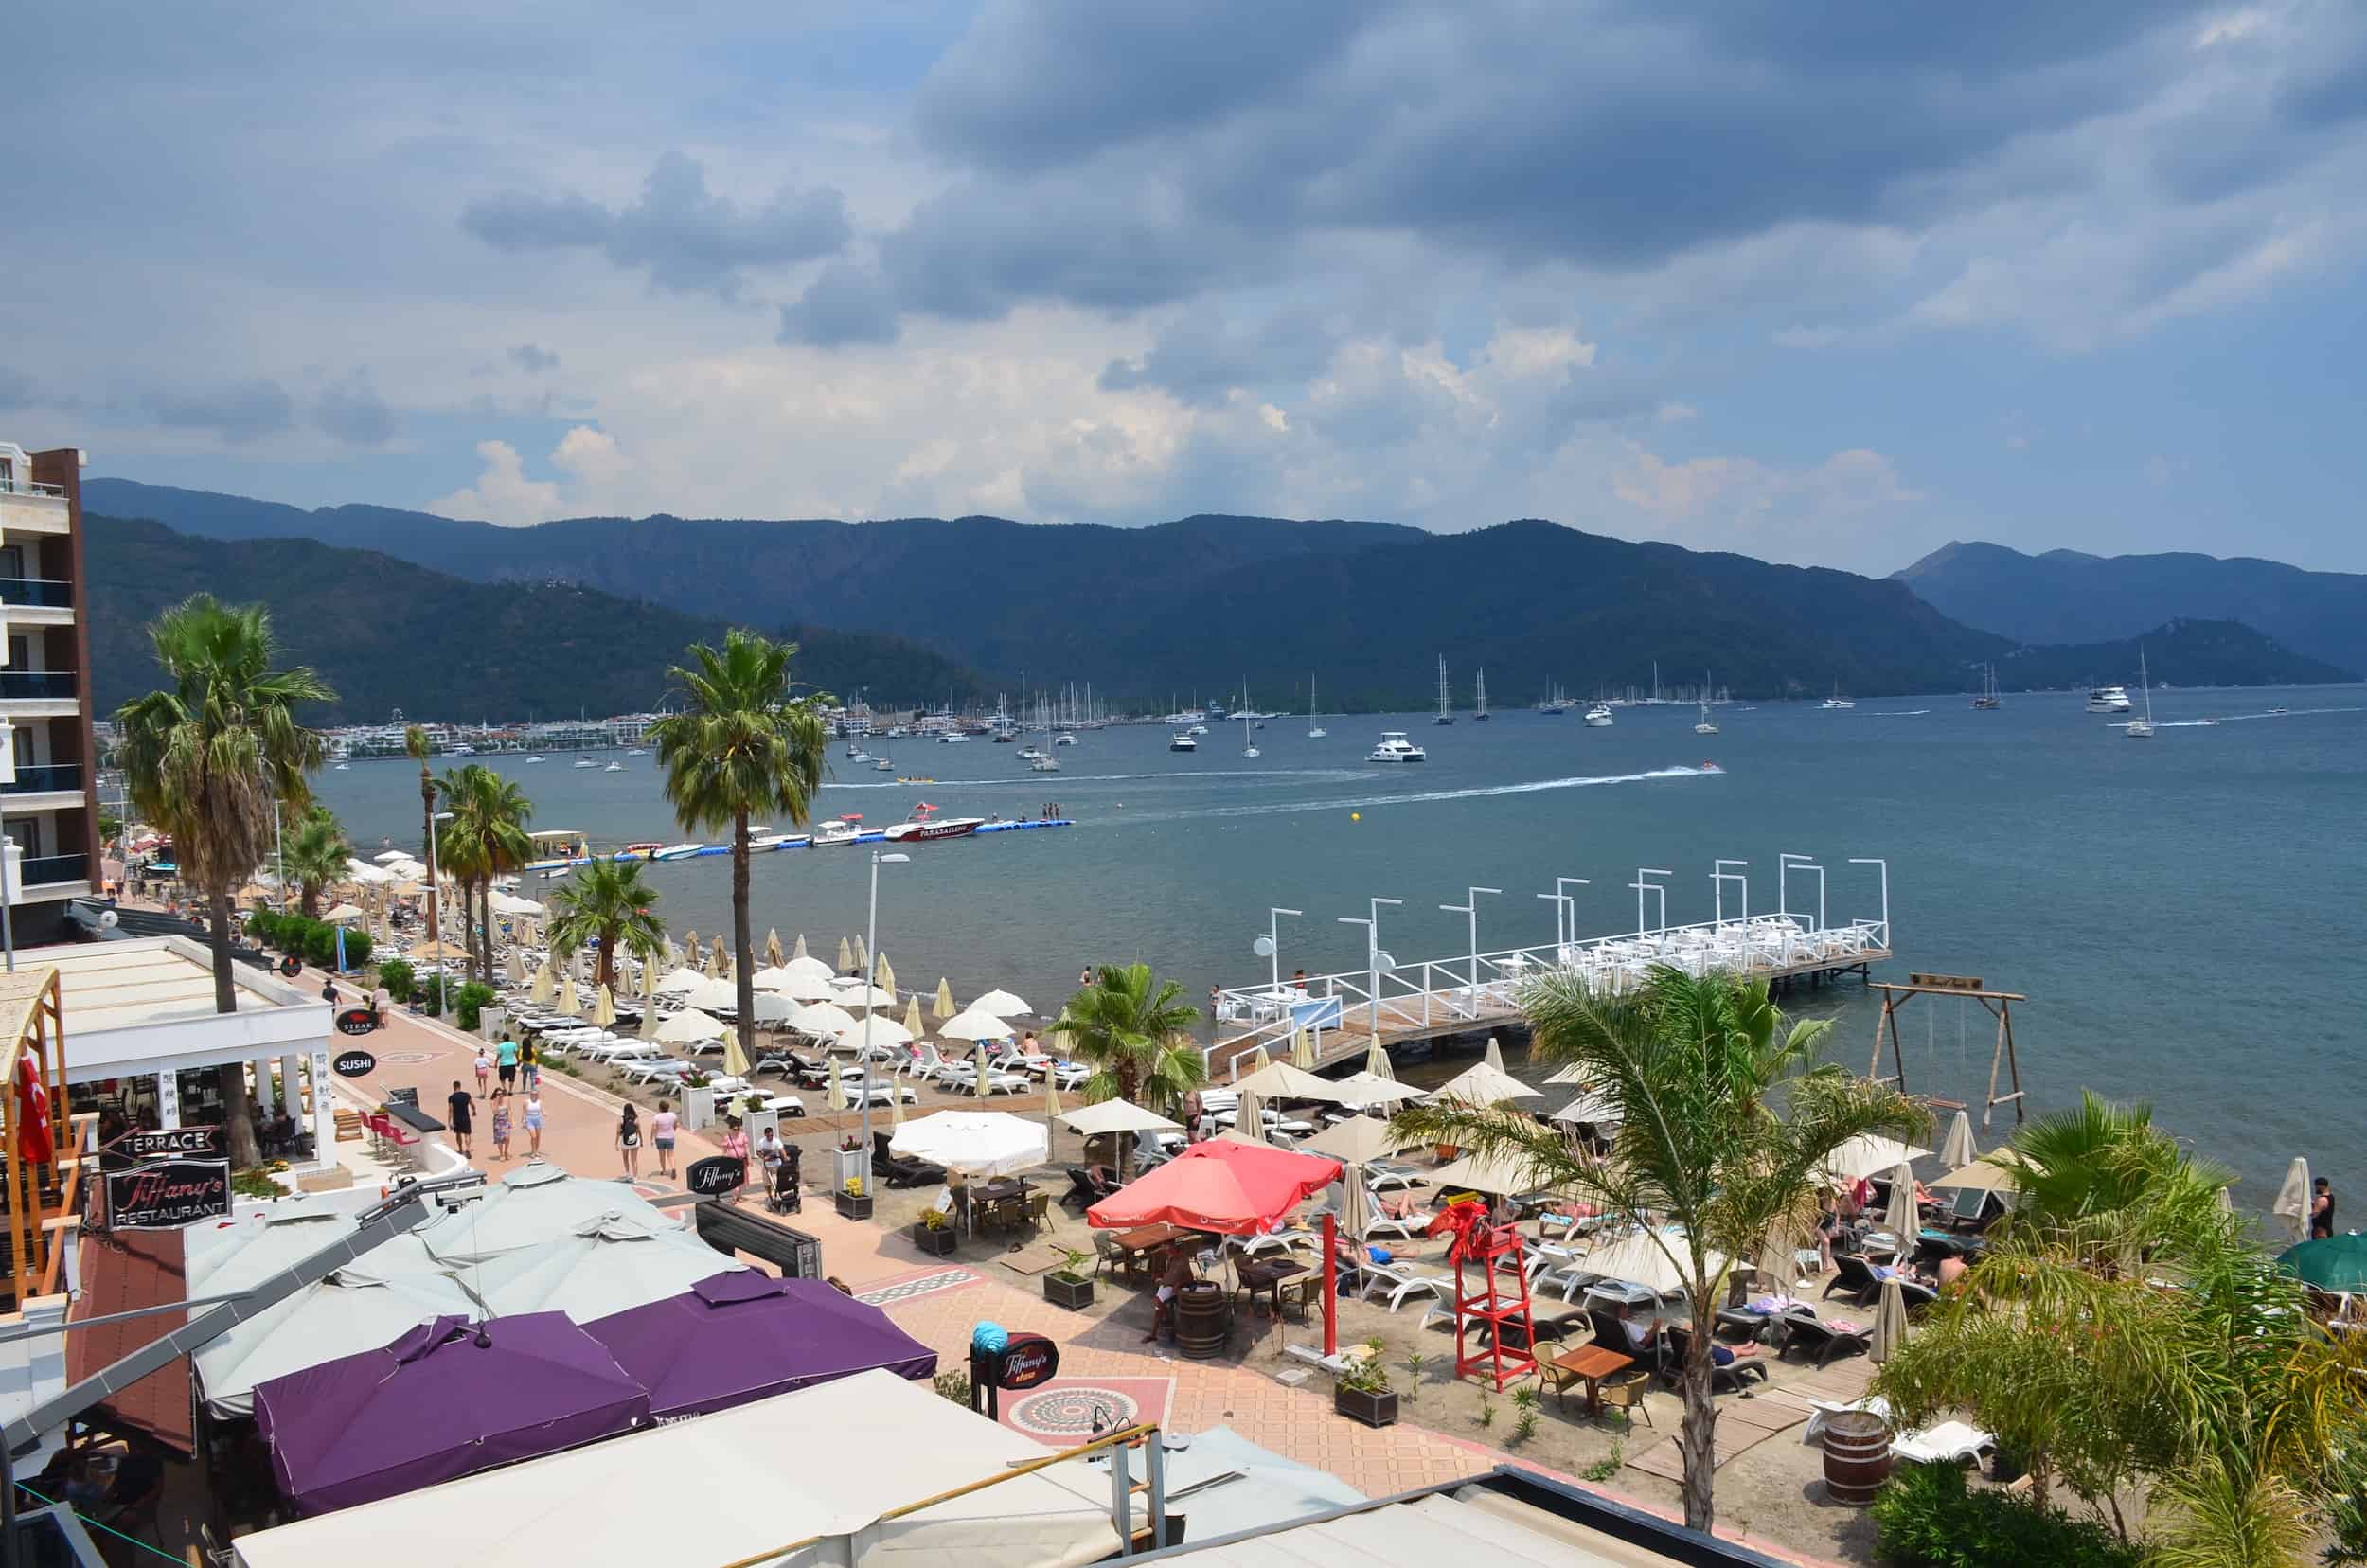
314, 852
1697, 1069
488, 838
417, 745
741, 745
1133, 1029
607, 903
207, 759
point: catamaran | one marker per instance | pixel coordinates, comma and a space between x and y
1394, 747
1446, 713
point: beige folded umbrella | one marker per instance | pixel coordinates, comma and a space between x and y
515, 967
690, 944
1778, 1261
2292, 1206
1258, 1059
846, 956
1495, 1056
1902, 1219
913, 1024
1303, 1050
896, 1106
648, 977
1356, 1203
603, 1007
734, 1059
944, 1008
1890, 1321
1050, 1099
543, 981
570, 1004
979, 1086
1250, 1120
1376, 1059
1958, 1150
862, 954
799, 950
837, 1100
715, 968
882, 974
771, 945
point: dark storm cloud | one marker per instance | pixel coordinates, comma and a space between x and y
245, 411
1202, 357
355, 414
844, 304
688, 238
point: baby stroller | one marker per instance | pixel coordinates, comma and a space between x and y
788, 1194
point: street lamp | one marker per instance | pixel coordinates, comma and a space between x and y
871, 946
1471, 909
435, 888
1270, 946
1642, 887
1565, 913
1372, 956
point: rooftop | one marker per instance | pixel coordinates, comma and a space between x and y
122, 984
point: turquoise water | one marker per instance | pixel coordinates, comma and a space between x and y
2183, 914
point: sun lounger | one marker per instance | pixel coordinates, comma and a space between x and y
1854, 1274
1823, 1408
1401, 1280
1949, 1443
1823, 1339
1407, 1226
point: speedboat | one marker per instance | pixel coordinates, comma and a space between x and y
1183, 743
1065, 740
854, 755
777, 841
884, 765
1042, 762
647, 849
533, 761
1598, 717
1029, 754
952, 738
914, 778
2111, 699
924, 824
636, 752
1197, 729
614, 767
585, 762
676, 851
837, 830
342, 767
1394, 747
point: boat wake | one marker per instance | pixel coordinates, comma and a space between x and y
1894, 713
1033, 781
2285, 713
1420, 797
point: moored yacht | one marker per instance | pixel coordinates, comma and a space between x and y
837, 830
2108, 699
1183, 743
1394, 747
1598, 717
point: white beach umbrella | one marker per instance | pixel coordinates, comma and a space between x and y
1869, 1154
797, 952
805, 988
1357, 1140
1958, 1150
1485, 1083
1995, 1171
1890, 1321
681, 982
976, 1143
735, 1057
772, 1010
1600, 1109
821, 1019
861, 995
345, 914
1281, 1080
389, 856
1490, 1173
882, 1032
712, 995
836, 1098
1495, 1056
1364, 1091
1117, 1115
1638, 1260
690, 1025
1572, 1074
515, 966
2292, 1204
648, 977
1001, 1004
1050, 1099
1258, 1059
1902, 1219
975, 1026
545, 980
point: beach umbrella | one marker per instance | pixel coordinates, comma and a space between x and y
1259, 1060
1250, 1120
881, 1032
1869, 1154
648, 977
1958, 1149
569, 1004
822, 1020
544, 981
802, 988
862, 953
345, 913
1303, 1050
713, 995
1355, 1200
681, 982
2292, 1204
516, 968
1572, 1074
881, 976
1495, 1056
1902, 1218
2331, 1262
837, 1100
974, 1024
1376, 1059
1281, 1080
1364, 1091
689, 1026
1051, 1098
978, 1080
944, 1008
860, 994
846, 956
716, 968
799, 950
734, 1059
690, 943
1495, 1174
1001, 1004
913, 1026
603, 1007
1638, 1260
896, 1106
583, 963
1778, 1257
771, 945
1485, 1083
1890, 1321
1599, 1109
1115, 1116
1357, 1141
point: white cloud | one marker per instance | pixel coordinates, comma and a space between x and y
502, 493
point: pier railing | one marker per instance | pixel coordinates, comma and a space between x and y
1437, 995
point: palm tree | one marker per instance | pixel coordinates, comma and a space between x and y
741, 745
313, 855
1696, 1068
486, 839
607, 903
207, 759
415, 744
1134, 1029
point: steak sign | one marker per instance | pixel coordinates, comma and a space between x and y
168, 1194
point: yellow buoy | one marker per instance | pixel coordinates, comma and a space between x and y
1356, 816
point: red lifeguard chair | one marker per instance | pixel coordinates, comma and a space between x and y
1491, 1287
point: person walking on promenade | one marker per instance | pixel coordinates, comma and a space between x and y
629, 1141
531, 1065
661, 1132
500, 1124
484, 1067
457, 1106
505, 1060
534, 1121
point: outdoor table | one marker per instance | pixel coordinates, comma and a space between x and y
1267, 1274
412, 1117
1150, 1239
1002, 1188
1593, 1363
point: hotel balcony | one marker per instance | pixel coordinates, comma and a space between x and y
27, 507
43, 787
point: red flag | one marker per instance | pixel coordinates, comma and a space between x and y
33, 1113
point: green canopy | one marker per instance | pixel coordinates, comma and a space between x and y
2334, 1263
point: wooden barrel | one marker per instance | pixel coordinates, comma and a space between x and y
1203, 1320
1857, 1456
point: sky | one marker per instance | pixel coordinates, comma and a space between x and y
1814, 280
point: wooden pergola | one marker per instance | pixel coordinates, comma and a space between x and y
44, 1198
1998, 1004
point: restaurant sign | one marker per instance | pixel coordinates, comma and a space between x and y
292, 965
353, 1063
712, 1178
168, 1194
1028, 1359
356, 1021
152, 1143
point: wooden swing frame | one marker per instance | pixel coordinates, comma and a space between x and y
1998, 1004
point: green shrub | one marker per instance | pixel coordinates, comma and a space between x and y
395, 974
320, 944
1926, 1517
431, 993
267, 926
468, 1002
358, 945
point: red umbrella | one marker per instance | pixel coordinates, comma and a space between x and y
1234, 1189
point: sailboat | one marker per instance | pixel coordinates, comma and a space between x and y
2141, 729
1446, 713
1314, 730
1837, 700
1988, 698
1703, 726
1480, 717
1248, 747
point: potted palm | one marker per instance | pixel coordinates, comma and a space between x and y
1362, 1392
1069, 1286
932, 1233
853, 1200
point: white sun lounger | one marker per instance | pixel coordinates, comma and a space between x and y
1949, 1443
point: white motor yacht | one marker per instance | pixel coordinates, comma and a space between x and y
585, 762
1394, 747
836, 831
1183, 743
533, 761
1065, 740
2108, 699
1043, 762
1598, 717
952, 738
614, 767
882, 765
1197, 729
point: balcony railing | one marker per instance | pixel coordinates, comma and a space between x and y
42, 778
27, 486
46, 870
48, 593
21, 683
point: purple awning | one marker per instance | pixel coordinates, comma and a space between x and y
447, 1400
745, 1335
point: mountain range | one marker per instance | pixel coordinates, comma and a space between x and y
2063, 595
1200, 606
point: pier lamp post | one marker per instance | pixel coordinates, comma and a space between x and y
1720, 877
1642, 887
1272, 945
1373, 956
871, 945
435, 888
1885, 867
1469, 910
1565, 913
1802, 864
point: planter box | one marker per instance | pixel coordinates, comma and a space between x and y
1378, 1409
851, 1207
849, 1165
1070, 1290
936, 1243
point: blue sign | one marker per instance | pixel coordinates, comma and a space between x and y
1316, 1015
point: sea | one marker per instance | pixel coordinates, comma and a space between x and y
2186, 915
